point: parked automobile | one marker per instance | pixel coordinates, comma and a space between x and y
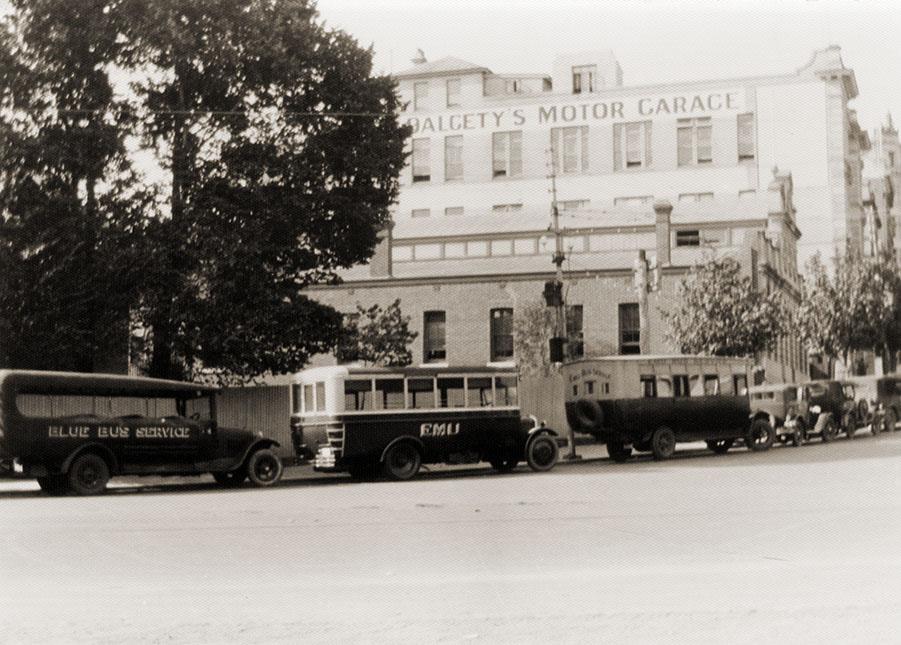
650, 403
824, 408
73, 432
882, 396
776, 400
366, 421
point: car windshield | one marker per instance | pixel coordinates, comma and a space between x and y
818, 389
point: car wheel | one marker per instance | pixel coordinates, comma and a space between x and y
618, 452
230, 478
760, 435
364, 470
504, 464
798, 437
889, 420
663, 443
88, 474
542, 452
829, 431
402, 461
850, 426
53, 484
264, 467
720, 446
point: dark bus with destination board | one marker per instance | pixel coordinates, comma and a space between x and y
650, 403
72, 432
367, 421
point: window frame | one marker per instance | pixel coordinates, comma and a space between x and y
429, 346
621, 145
512, 167
559, 149
453, 146
457, 93
424, 156
495, 335
419, 97
624, 344
694, 126
746, 120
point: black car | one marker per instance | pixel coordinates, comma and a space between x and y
73, 432
824, 408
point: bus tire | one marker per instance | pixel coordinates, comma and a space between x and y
663, 443
53, 484
88, 474
230, 478
588, 413
542, 452
760, 435
264, 468
402, 461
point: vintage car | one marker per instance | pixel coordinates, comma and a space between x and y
72, 432
824, 408
879, 400
367, 421
775, 400
649, 403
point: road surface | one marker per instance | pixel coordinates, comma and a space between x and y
793, 545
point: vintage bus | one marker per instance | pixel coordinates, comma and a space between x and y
367, 421
72, 432
650, 403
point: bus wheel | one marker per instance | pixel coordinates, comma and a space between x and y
230, 478
663, 443
402, 461
542, 452
760, 435
618, 452
88, 474
720, 446
504, 464
53, 484
264, 467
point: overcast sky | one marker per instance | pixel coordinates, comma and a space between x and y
653, 41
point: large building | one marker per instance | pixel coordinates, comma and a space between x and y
882, 173
765, 169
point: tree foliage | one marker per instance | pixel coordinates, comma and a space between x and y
281, 153
377, 336
533, 327
719, 312
856, 307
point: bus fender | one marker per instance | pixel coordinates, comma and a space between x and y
407, 438
257, 445
97, 448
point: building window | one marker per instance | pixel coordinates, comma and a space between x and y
745, 136
688, 238
506, 154
433, 337
632, 145
506, 208
452, 211
421, 160
629, 329
453, 158
453, 92
573, 204
569, 148
891, 159
584, 78
641, 200
501, 334
695, 138
575, 347
420, 94
695, 197
420, 212
751, 193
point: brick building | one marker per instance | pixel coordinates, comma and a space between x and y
745, 167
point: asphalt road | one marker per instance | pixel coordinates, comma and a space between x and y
793, 545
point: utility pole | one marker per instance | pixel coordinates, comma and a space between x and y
554, 297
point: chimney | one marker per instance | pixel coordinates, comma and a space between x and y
380, 264
663, 210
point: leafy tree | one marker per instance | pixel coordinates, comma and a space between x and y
855, 308
719, 312
377, 336
67, 214
533, 327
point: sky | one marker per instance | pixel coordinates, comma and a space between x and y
654, 41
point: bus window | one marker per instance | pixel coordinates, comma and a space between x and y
357, 395
740, 384
295, 398
199, 408
320, 396
505, 390
478, 392
589, 387
696, 385
680, 385
451, 393
648, 387
308, 399
664, 386
421, 393
389, 394
711, 384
